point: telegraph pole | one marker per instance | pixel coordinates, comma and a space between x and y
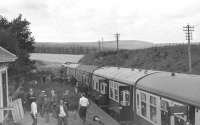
99, 45
117, 40
102, 43
188, 31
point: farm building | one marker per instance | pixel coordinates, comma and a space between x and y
5, 58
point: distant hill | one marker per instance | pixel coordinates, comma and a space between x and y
107, 45
173, 58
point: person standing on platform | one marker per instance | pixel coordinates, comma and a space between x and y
66, 98
34, 111
46, 108
76, 90
83, 105
41, 102
53, 102
29, 99
62, 113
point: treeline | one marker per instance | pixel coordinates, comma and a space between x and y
15, 36
66, 49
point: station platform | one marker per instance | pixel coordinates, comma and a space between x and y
74, 119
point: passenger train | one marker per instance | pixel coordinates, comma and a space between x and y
146, 97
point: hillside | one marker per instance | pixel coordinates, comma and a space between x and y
86, 47
166, 58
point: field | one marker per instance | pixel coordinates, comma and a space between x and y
55, 58
123, 44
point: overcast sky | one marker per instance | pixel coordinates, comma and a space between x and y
157, 21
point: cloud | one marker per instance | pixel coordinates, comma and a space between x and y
88, 20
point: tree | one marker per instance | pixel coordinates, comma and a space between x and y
16, 37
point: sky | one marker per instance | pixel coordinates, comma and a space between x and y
157, 21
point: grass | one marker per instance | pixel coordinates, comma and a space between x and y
167, 58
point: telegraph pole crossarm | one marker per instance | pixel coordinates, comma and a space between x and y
189, 29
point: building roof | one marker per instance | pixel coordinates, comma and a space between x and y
6, 56
87, 68
72, 65
124, 75
180, 87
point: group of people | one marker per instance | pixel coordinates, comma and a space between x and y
44, 104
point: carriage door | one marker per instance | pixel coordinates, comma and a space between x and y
124, 99
197, 116
165, 114
104, 91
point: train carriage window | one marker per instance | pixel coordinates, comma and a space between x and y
138, 100
106, 89
116, 94
111, 92
103, 88
143, 105
125, 98
94, 85
116, 90
138, 104
153, 111
97, 86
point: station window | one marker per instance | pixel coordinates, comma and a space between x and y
153, 111
143, 105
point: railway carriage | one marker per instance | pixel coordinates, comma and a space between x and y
100, 85
119, 84
70, 71
168, 99
145, 96
84, 75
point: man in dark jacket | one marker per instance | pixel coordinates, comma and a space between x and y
53, 102
30, 98
46, 108
62, 113
40, 101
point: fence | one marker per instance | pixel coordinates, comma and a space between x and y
18, 111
